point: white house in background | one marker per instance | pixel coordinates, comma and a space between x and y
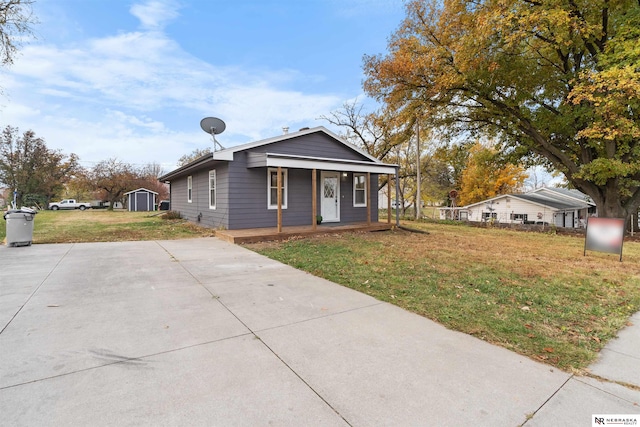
383, 199
559, 206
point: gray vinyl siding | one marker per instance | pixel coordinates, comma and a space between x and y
248, 198
212, 218
242, 191
349, 213
312, 145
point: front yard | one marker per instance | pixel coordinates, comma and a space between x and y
533, 293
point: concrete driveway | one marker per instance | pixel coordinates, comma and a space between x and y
203, 332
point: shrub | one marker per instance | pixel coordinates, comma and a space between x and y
171, 215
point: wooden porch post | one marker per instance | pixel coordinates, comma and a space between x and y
388, 198
314, 207
369, 207
279, 184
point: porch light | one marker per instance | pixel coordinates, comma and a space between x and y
345, 174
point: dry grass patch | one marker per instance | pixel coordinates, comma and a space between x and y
109, 226
533, 293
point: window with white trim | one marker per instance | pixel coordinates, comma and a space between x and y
189, 189
212, 189
359, 189
272, 188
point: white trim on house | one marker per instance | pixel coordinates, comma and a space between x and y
273, 204
326, 212
227, 154
291, 161
362, 204
190, 189
140, 189
214, 189
257, 160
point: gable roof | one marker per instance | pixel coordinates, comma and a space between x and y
556, 192
373, 164
227, 154
549, 200
556, 203
140, 189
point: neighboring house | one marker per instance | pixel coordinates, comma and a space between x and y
383, 199
141, 200
237, 188
561, 207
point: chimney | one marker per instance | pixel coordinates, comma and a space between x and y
285, 130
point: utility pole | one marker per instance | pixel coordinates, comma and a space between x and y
418, 190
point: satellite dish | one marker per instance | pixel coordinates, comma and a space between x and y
213, 126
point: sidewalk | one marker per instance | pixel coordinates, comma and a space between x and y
203, 332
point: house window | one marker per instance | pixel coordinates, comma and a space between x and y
489, 215
359, 189
189, 189
212, 189
272, 188
519, 217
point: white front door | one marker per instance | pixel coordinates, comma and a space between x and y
330, 196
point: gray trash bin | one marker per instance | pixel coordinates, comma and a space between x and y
19, 226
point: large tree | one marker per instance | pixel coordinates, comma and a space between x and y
114, 178
28, 166
148, 178
376, 133
557, 80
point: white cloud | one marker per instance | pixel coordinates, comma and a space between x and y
155, 14
138, 96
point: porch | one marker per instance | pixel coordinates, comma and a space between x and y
255, 235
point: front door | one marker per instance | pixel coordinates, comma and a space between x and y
330, 197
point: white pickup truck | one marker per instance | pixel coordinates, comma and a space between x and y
69, 204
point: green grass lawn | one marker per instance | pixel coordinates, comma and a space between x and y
107, 226
533, 293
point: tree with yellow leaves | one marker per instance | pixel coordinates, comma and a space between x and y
554, 80
485, 176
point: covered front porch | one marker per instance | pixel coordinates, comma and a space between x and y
255, 235
325, 193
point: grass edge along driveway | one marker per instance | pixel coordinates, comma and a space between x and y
533, 293
101, 225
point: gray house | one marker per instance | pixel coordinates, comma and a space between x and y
141, 200
240, 187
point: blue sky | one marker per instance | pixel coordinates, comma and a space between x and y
133, 78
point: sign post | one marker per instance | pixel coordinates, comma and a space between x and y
604, 235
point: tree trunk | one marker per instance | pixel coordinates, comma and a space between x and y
608, 202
